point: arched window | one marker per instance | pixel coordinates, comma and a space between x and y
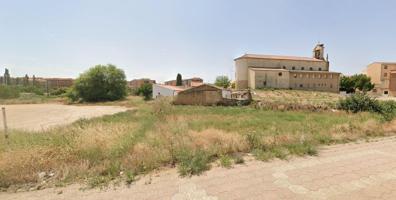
293, 68
302, 68
310, 68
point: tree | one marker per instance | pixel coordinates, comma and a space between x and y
146, 90
347, 84
7, 77
34, 80
100, 83
26, 80
179, 80
358, 81
222, 81
363, 82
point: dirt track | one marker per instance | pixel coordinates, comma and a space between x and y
36, 117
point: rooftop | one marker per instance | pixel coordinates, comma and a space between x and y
176, 88
275, 57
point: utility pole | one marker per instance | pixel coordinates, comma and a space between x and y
5, 122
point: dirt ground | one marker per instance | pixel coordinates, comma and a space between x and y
348, 171
36, 117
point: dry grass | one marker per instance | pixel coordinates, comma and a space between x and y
158, 134
283, 96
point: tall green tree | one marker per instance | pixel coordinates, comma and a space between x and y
146, 90
7, 77
100, 83
179, 80
223, 81
359, 82
26, 80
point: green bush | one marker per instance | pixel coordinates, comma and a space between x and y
363, 103
388, 110
192, 162
58, 91
100, 83
226, 161
146, 90
359, 102
9, 92
31, 89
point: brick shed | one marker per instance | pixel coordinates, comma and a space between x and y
201, 95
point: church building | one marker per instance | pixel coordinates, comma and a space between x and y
288, 72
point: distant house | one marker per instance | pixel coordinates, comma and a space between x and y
383, 76
160, 90
206, 95
192, 82
137, 83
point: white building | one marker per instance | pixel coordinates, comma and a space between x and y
165, 90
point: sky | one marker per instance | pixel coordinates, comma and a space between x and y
198, 38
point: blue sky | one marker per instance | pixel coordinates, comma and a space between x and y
160, 38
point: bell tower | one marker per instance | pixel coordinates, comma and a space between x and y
318, 51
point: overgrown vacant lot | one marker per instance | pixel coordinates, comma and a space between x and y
297, 97
156, 134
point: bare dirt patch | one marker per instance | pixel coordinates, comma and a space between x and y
37, 117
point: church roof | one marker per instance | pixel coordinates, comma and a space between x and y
274, 57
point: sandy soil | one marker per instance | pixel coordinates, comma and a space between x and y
36, 117
347, 171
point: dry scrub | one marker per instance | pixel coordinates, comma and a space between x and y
119, 147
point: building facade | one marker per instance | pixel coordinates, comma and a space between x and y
137, 83
160, 90
383, 76
288, 72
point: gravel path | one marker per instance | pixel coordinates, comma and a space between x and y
350, 171
36, 117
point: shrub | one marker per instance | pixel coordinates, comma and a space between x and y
146, 90
225, 161
359, 103
363, 103
8, 92
58, 91
222, 81
388, 110
192, 162
101, 83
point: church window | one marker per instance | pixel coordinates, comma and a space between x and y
280, 74
302, 68
284, 67
310, 68
293, 68
320, 69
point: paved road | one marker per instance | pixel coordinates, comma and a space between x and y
351, 171
38, 117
